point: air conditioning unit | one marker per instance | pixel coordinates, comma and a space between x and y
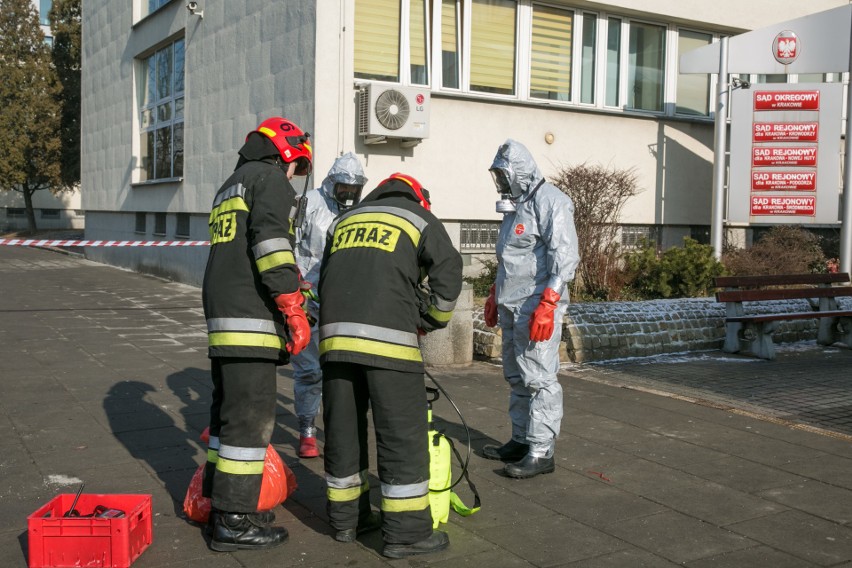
390, 111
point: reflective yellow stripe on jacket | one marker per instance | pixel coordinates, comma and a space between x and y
369, 339
245, 332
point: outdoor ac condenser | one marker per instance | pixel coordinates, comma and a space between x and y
391, 111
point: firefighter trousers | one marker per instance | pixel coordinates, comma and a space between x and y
242, 416
397, 401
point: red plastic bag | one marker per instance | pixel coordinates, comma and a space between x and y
277, 484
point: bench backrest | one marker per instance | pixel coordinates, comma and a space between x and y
822, 289
781, 279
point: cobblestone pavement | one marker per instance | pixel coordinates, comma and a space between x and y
807, 385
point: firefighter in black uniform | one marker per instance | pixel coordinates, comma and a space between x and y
255, 320
372, 310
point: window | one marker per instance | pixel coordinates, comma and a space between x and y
182, 229
151, 6
44, 7
15, 212
479, 235
418, 48
613, 62
700, 234
693, 90
634, 236
589, 51
646, 66
450, 43
162, 111
141, 222
492, 46
50, 213
550, 53
377, 39
160, 224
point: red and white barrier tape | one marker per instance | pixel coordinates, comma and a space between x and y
88, 243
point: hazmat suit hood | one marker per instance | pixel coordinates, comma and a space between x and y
345, 169
516, 163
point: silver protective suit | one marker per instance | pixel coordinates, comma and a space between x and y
321, 210
536, 249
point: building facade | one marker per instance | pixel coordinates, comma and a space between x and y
170, 89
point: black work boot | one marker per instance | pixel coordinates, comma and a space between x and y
530, 466
235, 531
371, 522
267, 517
436, 542
511, 451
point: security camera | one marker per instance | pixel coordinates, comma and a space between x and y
193, 9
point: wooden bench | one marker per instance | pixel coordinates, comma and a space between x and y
753, 333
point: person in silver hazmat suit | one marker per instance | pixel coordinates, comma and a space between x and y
340, 190
537, 256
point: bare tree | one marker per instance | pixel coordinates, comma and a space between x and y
599, 195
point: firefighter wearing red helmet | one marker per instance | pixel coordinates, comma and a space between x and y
255, 321
373, 307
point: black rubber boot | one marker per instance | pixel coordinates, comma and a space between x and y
236, 531
530, 466
267, 517
511, 451
371, 523
436, 542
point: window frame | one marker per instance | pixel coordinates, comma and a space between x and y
140, 173
606, 21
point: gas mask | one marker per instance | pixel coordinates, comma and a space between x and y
505, 204
347, 194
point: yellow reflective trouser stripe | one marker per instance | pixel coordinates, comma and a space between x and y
387, 218
370, 347
212, 455
403, 505
239, 467
237, 339
348, 494
275, 259
438, 315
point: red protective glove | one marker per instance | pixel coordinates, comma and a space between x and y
297, 321
541, 323
491, 308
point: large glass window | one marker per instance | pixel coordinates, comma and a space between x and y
550, 53
613, 62
151, 6
161, 113
492, 46
589, 49
450, 43
417, 41
44, 7
377, 38
646, 66
693, 90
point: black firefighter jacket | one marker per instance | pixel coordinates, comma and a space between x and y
376, 255
251, 257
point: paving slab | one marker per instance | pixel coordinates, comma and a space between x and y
696, 459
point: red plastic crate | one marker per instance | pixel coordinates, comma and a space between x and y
73, 542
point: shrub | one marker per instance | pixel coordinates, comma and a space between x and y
784, 249
482, 282
599, 194
680, 272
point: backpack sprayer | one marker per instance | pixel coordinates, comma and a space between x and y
441, 495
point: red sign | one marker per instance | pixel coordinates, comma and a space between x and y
780, 181
786, 100
785, 131
786, 156
783, 205
785, 48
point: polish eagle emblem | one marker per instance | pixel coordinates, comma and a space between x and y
786, 47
